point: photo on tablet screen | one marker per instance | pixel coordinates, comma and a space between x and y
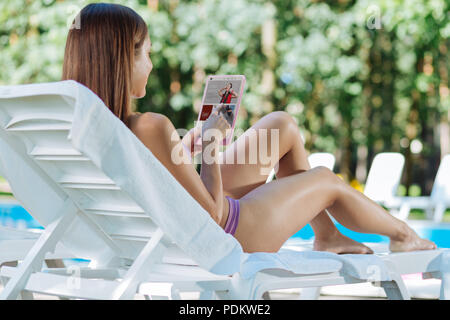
223, 91
228, 111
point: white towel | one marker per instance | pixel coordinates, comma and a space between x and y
305, 262
364, 267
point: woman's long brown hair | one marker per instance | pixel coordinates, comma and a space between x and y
100, 51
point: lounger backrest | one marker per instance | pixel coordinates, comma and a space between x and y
441, 185
36, 128
322, 159
315, 159
64, 150
384, 176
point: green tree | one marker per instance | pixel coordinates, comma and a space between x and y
360, 77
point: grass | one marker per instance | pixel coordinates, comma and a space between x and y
3, 192
417, 214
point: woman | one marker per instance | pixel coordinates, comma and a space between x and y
109, 53
225, 97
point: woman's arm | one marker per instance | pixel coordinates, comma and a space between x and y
189, 139
213, 131
210, 174
159, 135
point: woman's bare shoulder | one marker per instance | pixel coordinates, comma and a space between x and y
143, 122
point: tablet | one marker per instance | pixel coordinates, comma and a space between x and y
221, 90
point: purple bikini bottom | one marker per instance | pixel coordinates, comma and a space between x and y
233, 216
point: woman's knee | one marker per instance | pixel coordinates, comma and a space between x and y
329, 179
325, 173
286, 125
283, 119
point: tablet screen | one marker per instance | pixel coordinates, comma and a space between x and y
222, 90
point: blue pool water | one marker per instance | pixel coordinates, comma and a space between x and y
14, 215
439, 233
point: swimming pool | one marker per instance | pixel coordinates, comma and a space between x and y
14, 215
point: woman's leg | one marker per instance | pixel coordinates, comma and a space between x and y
244, 165
291, 158
273, 212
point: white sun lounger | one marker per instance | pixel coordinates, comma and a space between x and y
402, 263
439, 199
381, 186
15, 244
315, 159
384, 177
102, 194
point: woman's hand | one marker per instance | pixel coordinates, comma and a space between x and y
217, 122
192, 139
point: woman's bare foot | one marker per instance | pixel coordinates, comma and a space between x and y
408, 240
340, 244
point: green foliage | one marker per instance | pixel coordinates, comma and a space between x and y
350, 86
